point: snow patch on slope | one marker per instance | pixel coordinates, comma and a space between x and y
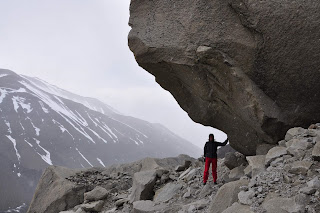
46, 157
3, 75
14, 146
84, 158
35, 128
43, 107
9, 127
62, 128
20, 102
3, 94
100, 161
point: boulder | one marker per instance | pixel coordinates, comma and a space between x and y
256, 163
80, 210
294, 132
245, 197
143, 183
191, 175
233, 160
120, 202
55, 193
238, 208
226, 196
187, 194
206, 190
298, 147
192, 207
298, 144
274, 153
307, 190
316, 151
223, 150
300, 167
314, 183
185, 173
183, 167
167, 192
98, 193
285, 205
93, 207
248, 69
236, 173
247, 171
147, 206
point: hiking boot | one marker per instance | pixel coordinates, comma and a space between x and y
204, 183
215, 183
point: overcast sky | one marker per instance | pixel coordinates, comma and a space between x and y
81, 46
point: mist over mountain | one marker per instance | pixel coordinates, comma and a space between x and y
44, 125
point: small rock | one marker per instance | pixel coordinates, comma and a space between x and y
282, 143
203, 49
187, 194
316, 151
314, 183
233, 160
186, 165
307, 190
167, 192
206, 190
236, 173
293, 132
257, 164
98, 193
274, 153
300, 167
184, 173
245, 197
121, 202
226, 196
147, 206
94, 206
191, 174
238, 208
248, 171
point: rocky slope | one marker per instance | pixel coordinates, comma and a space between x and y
42, 125
248, 68
283, 178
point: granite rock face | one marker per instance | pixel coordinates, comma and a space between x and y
249, 69
54, 193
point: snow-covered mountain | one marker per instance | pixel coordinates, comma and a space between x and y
44, 125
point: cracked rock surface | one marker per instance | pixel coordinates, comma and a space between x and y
248, 68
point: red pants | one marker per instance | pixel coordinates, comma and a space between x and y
214, 169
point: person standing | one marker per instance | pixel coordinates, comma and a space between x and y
210, 154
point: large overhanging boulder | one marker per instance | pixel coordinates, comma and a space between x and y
248, 68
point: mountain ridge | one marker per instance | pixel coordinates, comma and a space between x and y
39, 128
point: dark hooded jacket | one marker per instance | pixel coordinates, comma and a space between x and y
210, 149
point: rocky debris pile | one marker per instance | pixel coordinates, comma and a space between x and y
153, 190
286, 179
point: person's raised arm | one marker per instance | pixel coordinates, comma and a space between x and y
224, 143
